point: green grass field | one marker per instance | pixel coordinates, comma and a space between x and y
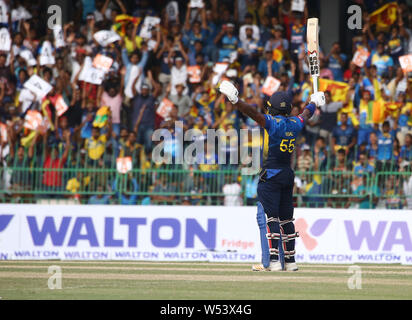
187, 281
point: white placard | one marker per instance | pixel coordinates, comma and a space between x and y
220, 68
46, 54
4, 17
196, 3
102, 62
298, 5
91, 74
172, 10
242, 32
124, 165
5, 40
58, 36
20, 13
106, 37
270, 86
28, 56
61, 106
148, 24
38, 86
26, 97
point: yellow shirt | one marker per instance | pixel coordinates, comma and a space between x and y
96, 147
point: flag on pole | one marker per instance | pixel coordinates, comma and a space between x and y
385, 16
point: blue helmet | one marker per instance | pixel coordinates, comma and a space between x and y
279, 103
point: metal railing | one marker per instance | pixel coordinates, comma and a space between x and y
318, 189
83, 180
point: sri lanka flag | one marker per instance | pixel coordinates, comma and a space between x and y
384, 16
121, 21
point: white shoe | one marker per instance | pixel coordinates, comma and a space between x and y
291, 266
273, 266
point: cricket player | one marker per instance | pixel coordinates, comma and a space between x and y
276, 178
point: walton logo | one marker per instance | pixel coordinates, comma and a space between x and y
4, 221
317, 229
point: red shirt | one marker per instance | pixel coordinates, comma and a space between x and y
53, 178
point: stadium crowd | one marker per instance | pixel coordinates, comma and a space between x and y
118, 70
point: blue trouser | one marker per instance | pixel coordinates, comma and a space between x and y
276, 196
144, 137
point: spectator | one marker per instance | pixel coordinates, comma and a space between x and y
328, 116
267, 66
143, 117
232, 192
383, 62
96, 146
100, 197
386, 139
305, 160
336, 61
52, 178
363, 167
112, 98
125, 187
344, 136
181, 101
406, 150
226, 41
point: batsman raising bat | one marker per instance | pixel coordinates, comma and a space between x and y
276, 178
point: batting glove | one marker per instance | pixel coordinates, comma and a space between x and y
318, 99
230, 91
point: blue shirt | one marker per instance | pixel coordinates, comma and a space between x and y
189, 38
336, 68
359, 169
385, 145
343, 137
382, 62
406, 153
228, 45
263, 67
282, 133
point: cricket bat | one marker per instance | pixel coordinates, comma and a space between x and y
312, 36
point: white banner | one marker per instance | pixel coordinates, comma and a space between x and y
106, 37
27, 55
46, 54
58, 36
20, 13
91, 74
5, 40
182, 233
4, 17
148, 24
38, 86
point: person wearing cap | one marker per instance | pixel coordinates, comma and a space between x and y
179, 74
267, 66
276, 41
276, 181
249, 48
195, 32
305, 160
181, 101
226, 41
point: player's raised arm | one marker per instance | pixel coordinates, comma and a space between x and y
316, 100
230, 91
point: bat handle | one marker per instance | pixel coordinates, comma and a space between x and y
315, 83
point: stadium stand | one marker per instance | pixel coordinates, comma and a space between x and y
117, 71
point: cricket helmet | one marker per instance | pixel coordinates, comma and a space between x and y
279, 104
